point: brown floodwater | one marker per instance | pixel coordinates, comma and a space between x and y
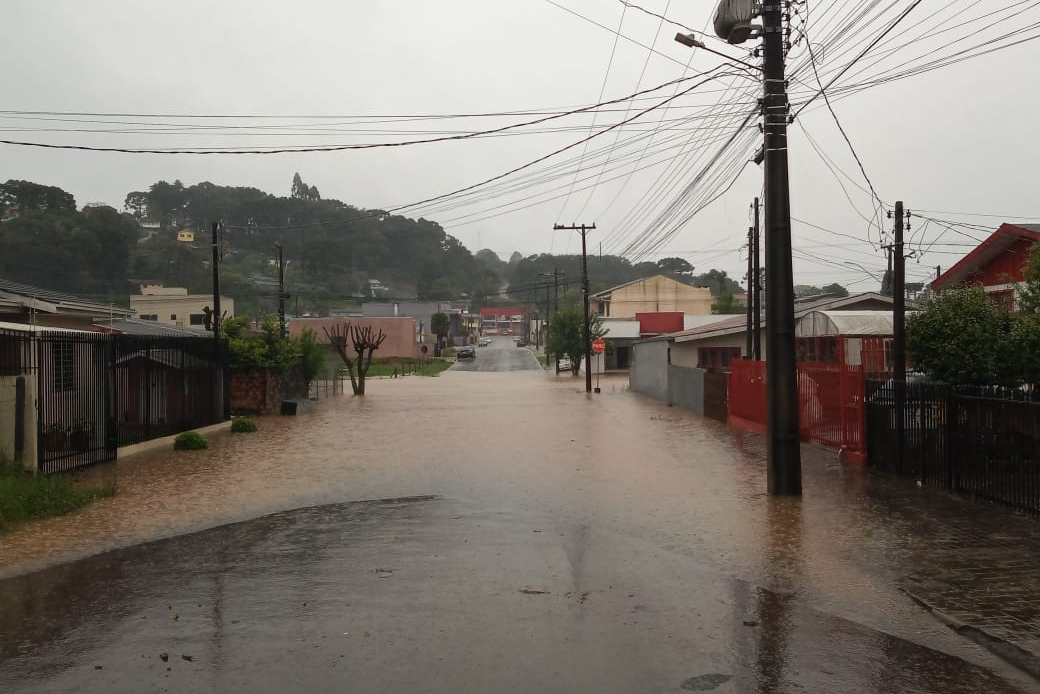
537, 446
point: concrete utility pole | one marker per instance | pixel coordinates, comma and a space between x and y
216, 281
584, 230
898, 256
757, 328
281, 291
733, 23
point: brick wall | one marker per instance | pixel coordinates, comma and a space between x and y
260, 390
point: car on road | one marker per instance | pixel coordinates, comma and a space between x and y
565, 364
484, 342
466, 352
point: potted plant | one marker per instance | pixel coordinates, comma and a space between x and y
80, 435
55, 438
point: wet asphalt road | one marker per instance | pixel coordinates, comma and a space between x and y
500, 355
474, 533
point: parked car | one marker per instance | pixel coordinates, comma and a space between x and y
466, 352
484, 342
565, 364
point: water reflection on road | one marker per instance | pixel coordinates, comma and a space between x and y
662, 562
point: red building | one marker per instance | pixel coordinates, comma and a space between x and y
502, 321
997, 263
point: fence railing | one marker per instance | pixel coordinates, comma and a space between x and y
981, 442
94, 392
165, 385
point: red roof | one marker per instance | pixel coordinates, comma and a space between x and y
991, 251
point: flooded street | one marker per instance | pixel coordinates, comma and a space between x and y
488, 530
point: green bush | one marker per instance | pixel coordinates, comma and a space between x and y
243, 425
190, 441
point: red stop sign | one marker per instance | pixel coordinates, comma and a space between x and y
598, 346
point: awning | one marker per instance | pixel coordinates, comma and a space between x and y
832, 323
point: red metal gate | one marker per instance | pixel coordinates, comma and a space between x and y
830, 403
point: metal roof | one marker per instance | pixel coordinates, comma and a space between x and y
738, 324
848, 323
55, 302
136, 326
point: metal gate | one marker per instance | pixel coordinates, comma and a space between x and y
74, 374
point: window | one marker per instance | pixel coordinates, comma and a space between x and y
148, 316
173, 316
64, 366
717, 358
198, 319
1004, 298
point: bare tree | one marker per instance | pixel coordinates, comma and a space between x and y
364, 342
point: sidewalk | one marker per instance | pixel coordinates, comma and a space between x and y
976, 566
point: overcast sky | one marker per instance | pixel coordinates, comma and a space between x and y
958, 139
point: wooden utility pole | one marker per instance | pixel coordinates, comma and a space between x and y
216, 282
584, 230
281, 291
898, 256
757, 327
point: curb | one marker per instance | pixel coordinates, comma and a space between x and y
166, 441
1026, 661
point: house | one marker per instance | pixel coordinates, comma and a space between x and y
714, 345
175, 306
27, 305
674, 366
622, 333
186, 236
997, 263
421, 311
657, 294
401, 338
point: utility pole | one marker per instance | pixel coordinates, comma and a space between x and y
756, 330
749, 302
584, 230
783, 446
733, 24
216, 282
281, 291
898, 330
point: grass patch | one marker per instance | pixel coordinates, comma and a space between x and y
430, 368
543, 359
190, 441
242, 425
24, 497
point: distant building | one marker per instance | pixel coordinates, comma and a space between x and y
400, 332
186, 236
657, 294
175, 306
502, 321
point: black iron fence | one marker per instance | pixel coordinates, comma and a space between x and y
165, 385
94, 392
981, 442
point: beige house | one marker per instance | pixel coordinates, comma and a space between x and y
652, 295
175, 306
